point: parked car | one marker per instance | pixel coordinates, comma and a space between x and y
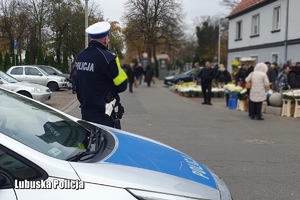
31, 90
34, 74
47, 153
180, 78
53, 71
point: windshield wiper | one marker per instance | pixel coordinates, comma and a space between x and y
96, 138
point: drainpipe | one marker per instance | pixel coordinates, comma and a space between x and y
286, 30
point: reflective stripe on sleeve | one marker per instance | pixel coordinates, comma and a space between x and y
122, 76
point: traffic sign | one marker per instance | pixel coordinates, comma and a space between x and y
15, 44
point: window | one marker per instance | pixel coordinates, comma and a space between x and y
275, 58
237, 58
238, 30
17, 71
19, 168
255, 57
276, 18
32, 71
255, 25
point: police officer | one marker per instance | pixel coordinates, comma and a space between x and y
99, 79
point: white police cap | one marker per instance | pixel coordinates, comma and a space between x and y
98, 30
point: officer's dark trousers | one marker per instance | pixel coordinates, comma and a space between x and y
206, 90
100, 119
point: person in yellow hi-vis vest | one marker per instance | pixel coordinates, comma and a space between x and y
100, 78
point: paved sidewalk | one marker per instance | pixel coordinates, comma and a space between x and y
63, 100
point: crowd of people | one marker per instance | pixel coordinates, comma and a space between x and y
262, 76
137, 74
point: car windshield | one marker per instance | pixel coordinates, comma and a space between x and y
7, 78
40, 128
188, 72
43, 71
51, 69
56, 70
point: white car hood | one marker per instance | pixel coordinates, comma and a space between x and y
32, 85
135, 178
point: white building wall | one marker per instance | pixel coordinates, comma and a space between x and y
294, 53
294, 20
262, 54
266, 26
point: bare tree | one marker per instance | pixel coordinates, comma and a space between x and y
13, 22
230, 4
156, 22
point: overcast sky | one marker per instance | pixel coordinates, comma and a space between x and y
113, 9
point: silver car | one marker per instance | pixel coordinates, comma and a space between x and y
47, 154
31, 90
34, 74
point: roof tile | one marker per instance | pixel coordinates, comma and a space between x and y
243, 5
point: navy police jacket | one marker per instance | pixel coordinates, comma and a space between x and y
99, 74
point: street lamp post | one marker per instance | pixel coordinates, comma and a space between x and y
219, 44
86, 21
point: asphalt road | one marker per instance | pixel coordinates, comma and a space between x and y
256, 159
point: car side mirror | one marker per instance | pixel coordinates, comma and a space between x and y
54, 73
40, 74
1, 82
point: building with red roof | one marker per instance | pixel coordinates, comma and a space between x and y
266, 30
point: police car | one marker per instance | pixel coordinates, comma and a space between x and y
47, 154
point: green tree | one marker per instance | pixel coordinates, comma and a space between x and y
27, 57
65, 64
40, 57
51, 61
116, 39
1, 62
207, 35
7, 63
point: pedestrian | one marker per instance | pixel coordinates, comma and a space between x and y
196, 73
73, 78
222, 76
139, 70
276, 68
99, 79
271, 75
282, 80
206, 75
215, 69
258, 92
249, 71
131, 76
241, 76
149, 73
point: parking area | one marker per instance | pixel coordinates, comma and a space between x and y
62, 99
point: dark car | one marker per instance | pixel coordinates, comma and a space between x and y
53, 71
180, 78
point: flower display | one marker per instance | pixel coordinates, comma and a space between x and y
235, 63
287, 94
247, 59
191, 89
296, 94
243, 95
